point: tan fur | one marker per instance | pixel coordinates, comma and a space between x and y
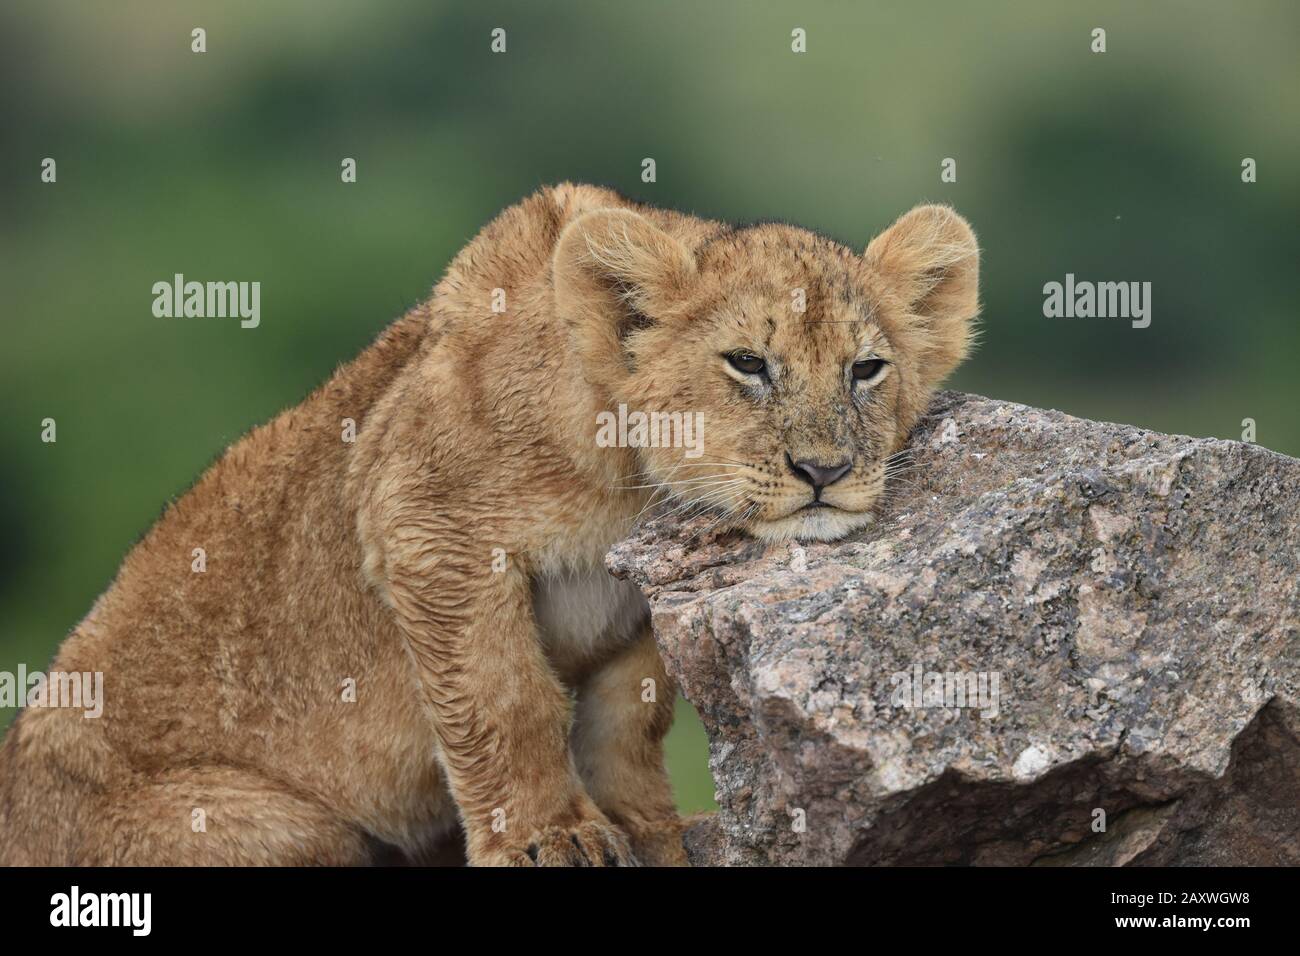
511, 694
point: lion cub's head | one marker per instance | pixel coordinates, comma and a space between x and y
807, 363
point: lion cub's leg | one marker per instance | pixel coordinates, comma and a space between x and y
501, 716
624, 712
219, 816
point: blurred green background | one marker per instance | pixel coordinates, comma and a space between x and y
225, 165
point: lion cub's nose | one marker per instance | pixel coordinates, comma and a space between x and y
819, 476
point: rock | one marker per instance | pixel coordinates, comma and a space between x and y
1112, 615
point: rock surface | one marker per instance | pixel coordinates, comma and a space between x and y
1131, 600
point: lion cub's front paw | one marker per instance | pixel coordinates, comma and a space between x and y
659, 844
593, 843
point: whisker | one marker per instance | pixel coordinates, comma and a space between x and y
683, 464
703, 502
711, 495
715, 490
679, 481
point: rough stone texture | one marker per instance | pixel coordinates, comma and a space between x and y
1137, 595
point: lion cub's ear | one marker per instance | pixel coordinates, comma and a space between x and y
615, 273
929, 259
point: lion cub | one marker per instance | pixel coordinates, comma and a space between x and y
410, 635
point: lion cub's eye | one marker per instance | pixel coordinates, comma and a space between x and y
746, 362
868, 370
